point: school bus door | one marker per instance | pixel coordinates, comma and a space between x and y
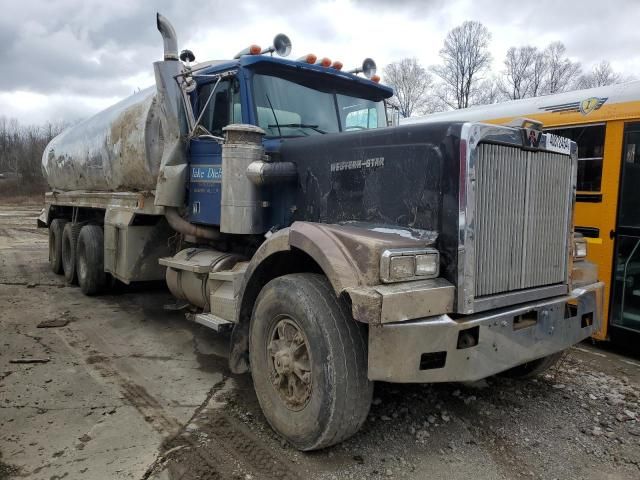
625, 281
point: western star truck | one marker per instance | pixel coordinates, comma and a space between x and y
277, 204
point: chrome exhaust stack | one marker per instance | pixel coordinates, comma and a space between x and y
169, 37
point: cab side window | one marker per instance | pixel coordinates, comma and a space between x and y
224, 106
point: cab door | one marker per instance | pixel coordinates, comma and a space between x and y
625, 301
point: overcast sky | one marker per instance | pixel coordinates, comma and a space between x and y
67, 59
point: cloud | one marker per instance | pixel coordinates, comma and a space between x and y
76, 55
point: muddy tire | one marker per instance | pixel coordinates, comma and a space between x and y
90, 260
309, 362
69, 248
534, 368
56, 229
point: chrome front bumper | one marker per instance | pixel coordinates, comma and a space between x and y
444, 349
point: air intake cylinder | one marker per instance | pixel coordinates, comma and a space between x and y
242, 204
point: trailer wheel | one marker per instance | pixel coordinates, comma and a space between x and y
69, 247
533, 368
56, 229
90, 260
309, 362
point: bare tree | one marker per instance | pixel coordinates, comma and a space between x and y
465, 56
487, 92
601, 75
411, 84
561, 72
520, 69
21, 148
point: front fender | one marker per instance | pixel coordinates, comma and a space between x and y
348, 255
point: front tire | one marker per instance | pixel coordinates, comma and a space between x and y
309, 362
534, 368
56, 229
90, 260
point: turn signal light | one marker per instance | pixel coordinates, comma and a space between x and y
337, 65
309, 58
375, 78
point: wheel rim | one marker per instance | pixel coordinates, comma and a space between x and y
289, 361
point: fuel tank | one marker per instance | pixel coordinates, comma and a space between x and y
118, 149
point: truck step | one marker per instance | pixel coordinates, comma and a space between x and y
213, 322
185, 265
235, 275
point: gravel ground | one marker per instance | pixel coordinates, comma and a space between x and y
129, 390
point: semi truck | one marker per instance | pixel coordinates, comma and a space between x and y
277, 204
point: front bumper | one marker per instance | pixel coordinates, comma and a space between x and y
444, 349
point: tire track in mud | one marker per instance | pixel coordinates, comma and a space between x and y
212, 445
215, 445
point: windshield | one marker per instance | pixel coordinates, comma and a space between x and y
288, 109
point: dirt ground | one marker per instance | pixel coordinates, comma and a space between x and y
123, 389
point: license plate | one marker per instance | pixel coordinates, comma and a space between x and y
556, 143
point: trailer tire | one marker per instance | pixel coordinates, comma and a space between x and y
69, 249
299, 322
90, 260
56, 229
535, 367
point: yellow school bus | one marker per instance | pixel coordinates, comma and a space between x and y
605, 122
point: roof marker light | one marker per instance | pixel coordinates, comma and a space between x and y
337, 65
309, 58
375, 78
250, 50
324, 61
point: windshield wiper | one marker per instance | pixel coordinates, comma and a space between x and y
299, 125
274, 115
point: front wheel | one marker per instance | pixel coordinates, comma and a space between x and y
309, 362
534, 367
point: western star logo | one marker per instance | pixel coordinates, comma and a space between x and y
374, 162
531, 137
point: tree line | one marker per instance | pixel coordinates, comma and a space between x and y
21, 148
463, 77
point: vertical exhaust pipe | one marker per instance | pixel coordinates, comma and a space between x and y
169, 37
173, 166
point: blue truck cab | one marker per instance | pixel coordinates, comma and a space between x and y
287, 99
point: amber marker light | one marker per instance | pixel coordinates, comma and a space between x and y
309, 58
337, 65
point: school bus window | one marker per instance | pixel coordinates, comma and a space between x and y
590, 140
628, 211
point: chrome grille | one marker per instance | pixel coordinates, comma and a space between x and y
521, 215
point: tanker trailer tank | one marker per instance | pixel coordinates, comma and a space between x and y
119, 149
135, 145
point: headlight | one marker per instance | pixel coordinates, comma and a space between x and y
579, 246
401, 265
